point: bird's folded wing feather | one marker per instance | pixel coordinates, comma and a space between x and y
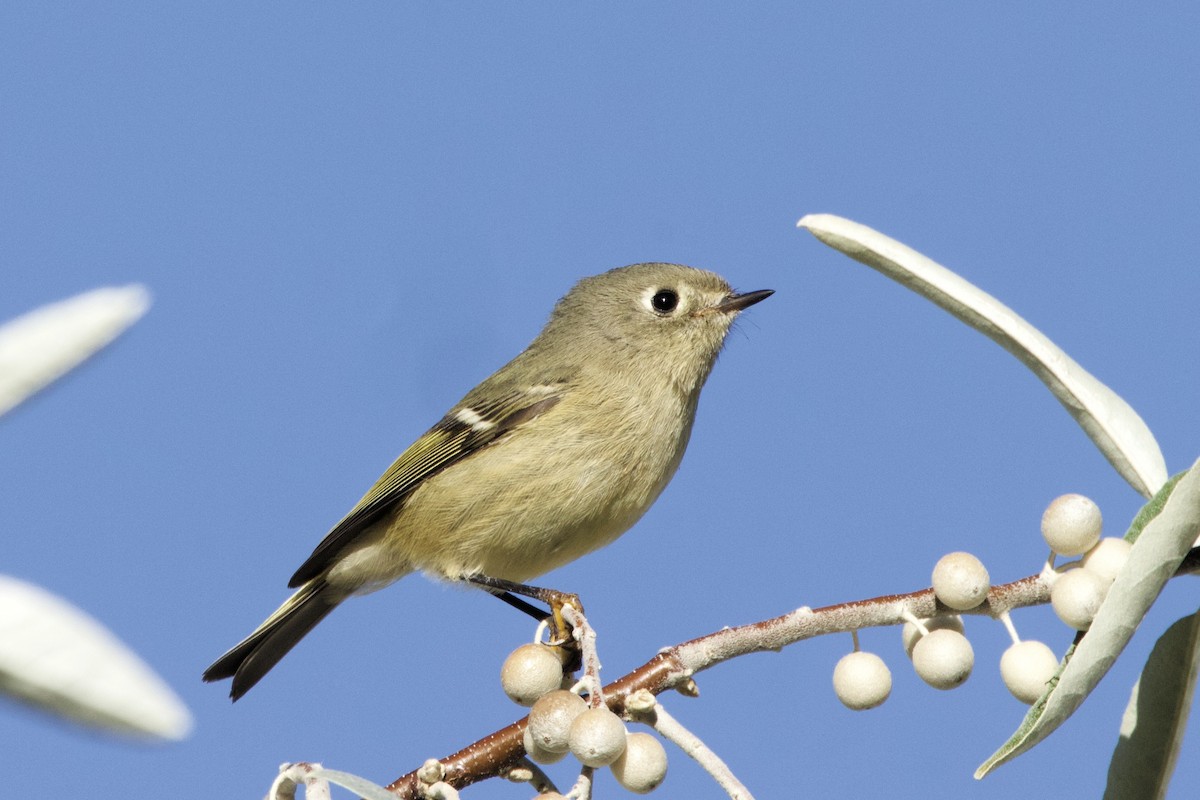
469, 427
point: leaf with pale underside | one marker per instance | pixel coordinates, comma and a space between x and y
1156, 718
42, 345
1112, 424
58, 659
316, 780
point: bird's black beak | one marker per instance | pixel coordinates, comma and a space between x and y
737, 302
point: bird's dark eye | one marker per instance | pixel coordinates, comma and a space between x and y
664, 301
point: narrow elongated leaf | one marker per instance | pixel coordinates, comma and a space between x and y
1156, 717
1112, 424
40, 346
316, 779
58, 659
1163, 542
360, 786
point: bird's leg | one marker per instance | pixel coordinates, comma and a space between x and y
560, 631
518, 603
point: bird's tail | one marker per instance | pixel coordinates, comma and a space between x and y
250, 659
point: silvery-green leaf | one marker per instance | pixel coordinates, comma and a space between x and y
56, 658
1164, 540
1152, 509
316, 779
1112, 424
360, 786
38, 347
1156, 717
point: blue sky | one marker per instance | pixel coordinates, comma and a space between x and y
349, 215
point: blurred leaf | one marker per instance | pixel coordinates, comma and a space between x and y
1156, 717
58, 659
39, 347
1111, 423
1165, 539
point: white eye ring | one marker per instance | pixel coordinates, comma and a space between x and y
661, 300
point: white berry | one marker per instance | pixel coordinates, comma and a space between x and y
597, 737
1076, 597
943, 659
960, 581
1107, 557
862, 681
1026, 668
529, 672
643, 765
1071, 524
551, 717
910, 633
537, 753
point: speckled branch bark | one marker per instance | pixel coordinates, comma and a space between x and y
674, 667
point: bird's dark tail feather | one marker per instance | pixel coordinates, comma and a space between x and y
250, 659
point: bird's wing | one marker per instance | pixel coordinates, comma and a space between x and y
469, 427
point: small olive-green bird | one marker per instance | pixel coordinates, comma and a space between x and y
555, 455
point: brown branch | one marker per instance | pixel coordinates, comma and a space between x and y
673, 668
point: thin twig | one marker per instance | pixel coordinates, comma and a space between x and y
690, 743
674, 667
585, 635
582, 790
528, 772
